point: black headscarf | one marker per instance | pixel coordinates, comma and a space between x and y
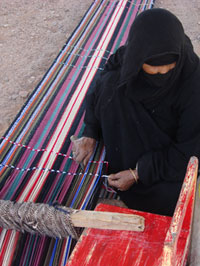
155, 132
156, 34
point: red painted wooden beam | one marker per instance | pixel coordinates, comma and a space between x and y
164, 241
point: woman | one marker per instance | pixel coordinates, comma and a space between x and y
146, 108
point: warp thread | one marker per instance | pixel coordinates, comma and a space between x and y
86, 50
45, 150
37, 218
128, 1
82, 67
86, 56
132, 4
106, 185
43, 169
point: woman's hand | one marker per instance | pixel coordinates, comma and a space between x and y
82, 149
123, 180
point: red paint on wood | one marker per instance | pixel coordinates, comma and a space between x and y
117, 248
165, 240
177, 239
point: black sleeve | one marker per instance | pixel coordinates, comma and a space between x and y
92, 124
115, 60
170, 163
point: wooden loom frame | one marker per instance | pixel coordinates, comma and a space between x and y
175, 233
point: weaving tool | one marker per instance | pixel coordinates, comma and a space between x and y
164, 241
59, 221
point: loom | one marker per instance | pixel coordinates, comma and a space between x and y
35, 153
58, 221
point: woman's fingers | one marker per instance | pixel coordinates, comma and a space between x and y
113, 177
80, 156
86, 159
82, 149
73, 138
113, 180
122, 180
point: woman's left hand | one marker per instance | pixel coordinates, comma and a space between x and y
122, 180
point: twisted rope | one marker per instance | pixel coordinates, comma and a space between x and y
39, 218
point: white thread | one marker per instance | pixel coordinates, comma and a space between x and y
45, 169
89, 56
107, 187
98, 49
127, 1
102, 50
87, 50
45, 150
82, 67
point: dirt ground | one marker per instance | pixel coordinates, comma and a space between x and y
31, 35
189, 14
33, 32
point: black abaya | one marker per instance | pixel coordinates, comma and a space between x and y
155, 128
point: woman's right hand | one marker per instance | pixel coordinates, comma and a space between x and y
82, 149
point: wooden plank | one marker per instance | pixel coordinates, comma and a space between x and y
194, 258
122, 248
176, 243
108, 220
164, 241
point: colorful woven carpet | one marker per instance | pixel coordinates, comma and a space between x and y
35, 153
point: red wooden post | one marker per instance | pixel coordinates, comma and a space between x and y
164, 241
182, 220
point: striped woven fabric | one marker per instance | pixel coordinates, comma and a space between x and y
35, 153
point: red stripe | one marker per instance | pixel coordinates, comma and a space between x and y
47, 159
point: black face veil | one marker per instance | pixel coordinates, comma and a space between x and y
156, 33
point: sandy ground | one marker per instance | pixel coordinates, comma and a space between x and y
31, 35
189, 14
33, 31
